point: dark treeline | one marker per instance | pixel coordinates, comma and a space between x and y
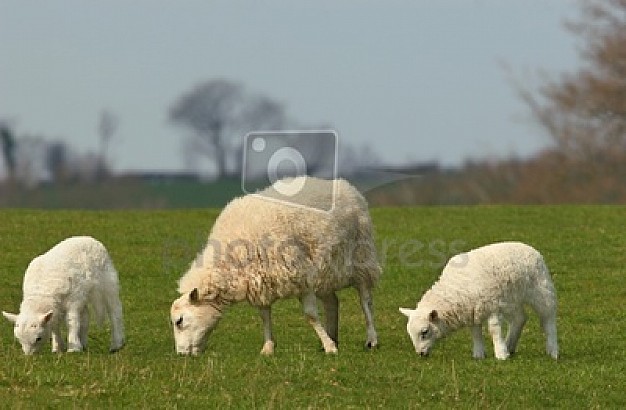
548, 178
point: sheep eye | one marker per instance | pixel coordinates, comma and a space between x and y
424, 332
179, 322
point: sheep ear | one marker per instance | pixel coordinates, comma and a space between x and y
46, 318
406, 312
433, 316
11, 317
193, 295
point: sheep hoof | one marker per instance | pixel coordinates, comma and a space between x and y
371, 344
268, 348
116, 349
502, 356
330, 348
553, 352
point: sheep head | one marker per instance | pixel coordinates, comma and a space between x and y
193, 319
30, 329
423, 328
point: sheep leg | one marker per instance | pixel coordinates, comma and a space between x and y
499, 344
478, 351
365, 295
266, 316
548, 323
84, 327
58, 344
331, 311
114, 309
515, 330
73, 330
309, 304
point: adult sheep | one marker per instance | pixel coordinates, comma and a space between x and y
261, 250
58, 286
490, 284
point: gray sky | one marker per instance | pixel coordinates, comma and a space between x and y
416, 80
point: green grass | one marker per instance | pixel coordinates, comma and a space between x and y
585, 248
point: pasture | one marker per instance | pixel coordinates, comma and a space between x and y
584, 246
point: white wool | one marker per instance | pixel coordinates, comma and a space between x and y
488, 284
262, 249
74, 274
497, 277
493, 278
67, 272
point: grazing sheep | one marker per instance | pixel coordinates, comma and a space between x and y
490, 284
261, 250
58, 286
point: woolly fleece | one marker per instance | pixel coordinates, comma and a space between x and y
490, 283
262, 249
75, 273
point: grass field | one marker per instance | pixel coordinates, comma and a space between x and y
585, 247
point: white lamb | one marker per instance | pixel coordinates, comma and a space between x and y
490, 284
261, 250
58, 286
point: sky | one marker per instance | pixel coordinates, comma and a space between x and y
416, 81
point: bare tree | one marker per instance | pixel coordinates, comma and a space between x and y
57, 160
585, 111
8, 150
353, 160
219, 112
30, 161
106, 128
